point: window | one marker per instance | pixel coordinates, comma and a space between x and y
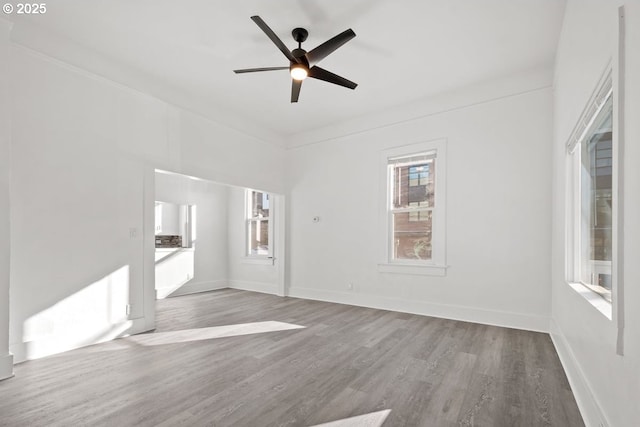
258, 224
175, 225
414, 208
592, 216
411, 209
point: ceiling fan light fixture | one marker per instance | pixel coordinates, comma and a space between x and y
299, 72
302, 64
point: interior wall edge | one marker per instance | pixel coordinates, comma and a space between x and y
591, 412
6, 366
149, 247
6, 358
527, 322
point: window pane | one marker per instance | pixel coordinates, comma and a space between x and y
259, 237
412, 235
414, 184
596, 238
259, 204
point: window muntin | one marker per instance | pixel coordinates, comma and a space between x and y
412, 194
258, 224
594, 216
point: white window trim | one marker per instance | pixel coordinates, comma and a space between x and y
437, 265
614, 312
604, 87
248, 258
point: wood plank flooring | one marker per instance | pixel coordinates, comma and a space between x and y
346, 361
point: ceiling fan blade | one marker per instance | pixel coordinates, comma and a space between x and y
274, 38
255, 70
295, 89
319, 53
328, 76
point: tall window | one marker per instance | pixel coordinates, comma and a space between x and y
593, 212
415, 205
412, 204
258, 224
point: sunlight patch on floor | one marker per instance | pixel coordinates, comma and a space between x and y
373, 419
199, 334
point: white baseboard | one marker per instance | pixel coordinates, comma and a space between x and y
592, 414
454, 312
54, 344
6, 366
265, 288
194, 288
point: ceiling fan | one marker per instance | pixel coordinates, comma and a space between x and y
303, 63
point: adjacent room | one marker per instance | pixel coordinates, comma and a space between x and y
311, 213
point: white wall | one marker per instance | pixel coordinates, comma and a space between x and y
213, 152
209, 252
607, 386
498, 203
84, 151
6, 360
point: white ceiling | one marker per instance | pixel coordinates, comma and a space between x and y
404, 50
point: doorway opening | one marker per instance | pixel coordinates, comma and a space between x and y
211, 236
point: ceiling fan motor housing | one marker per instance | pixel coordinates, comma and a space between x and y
299, 54
299, 34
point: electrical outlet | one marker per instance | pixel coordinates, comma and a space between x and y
350, 286
133, 233
127, 309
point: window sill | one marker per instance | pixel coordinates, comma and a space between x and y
420, 270
257, 260
600, 304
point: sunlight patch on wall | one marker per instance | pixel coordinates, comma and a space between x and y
174, 269
97, 312
189, 335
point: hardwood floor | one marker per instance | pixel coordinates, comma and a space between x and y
346, 361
